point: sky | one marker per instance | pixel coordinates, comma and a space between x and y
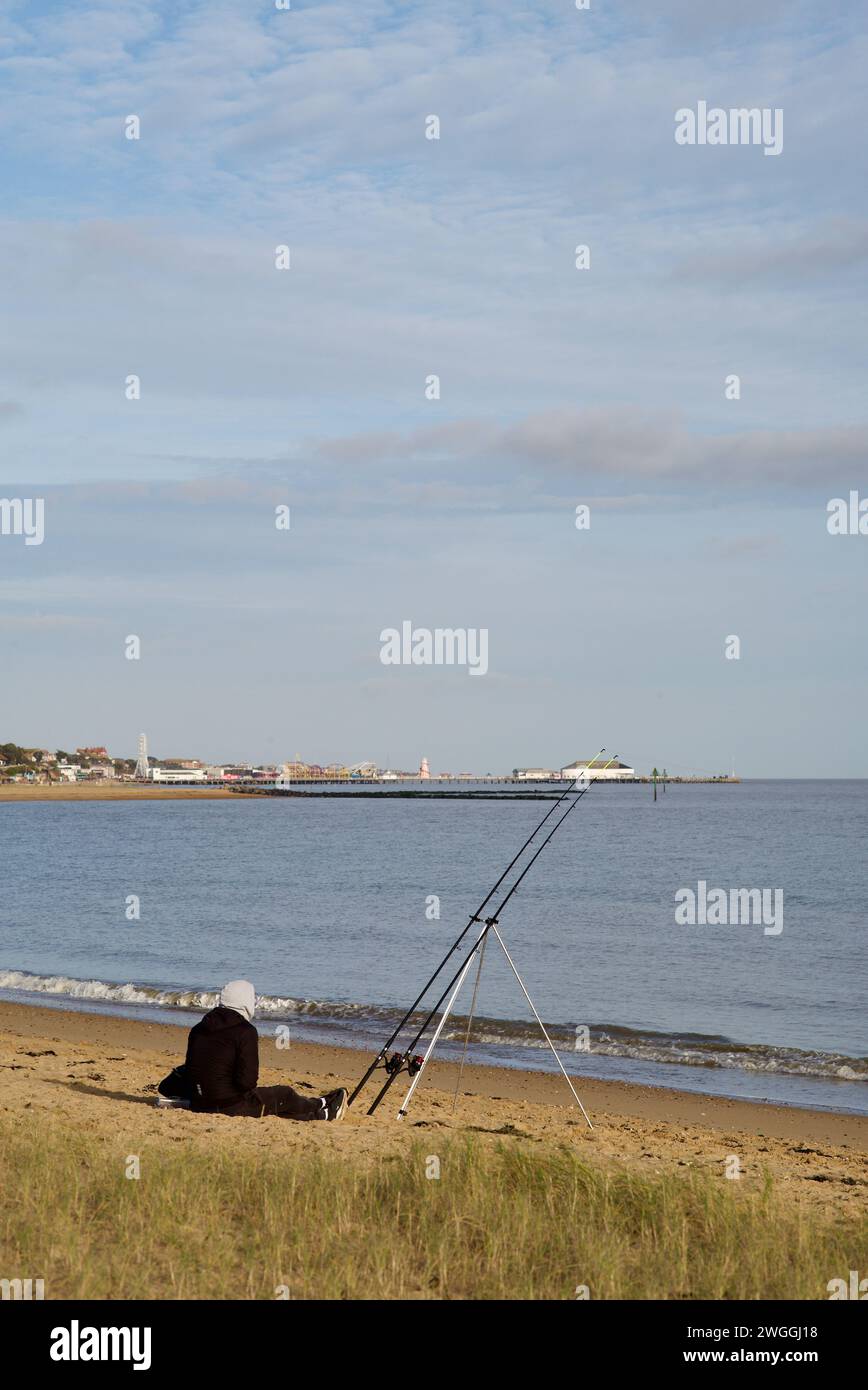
455, 258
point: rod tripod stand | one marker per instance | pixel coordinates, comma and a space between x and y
479, 947
410, 1061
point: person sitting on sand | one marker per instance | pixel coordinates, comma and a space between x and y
221, 1071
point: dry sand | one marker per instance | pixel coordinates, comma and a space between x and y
98, 1073
23, 792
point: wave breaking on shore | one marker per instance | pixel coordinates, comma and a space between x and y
604, 1039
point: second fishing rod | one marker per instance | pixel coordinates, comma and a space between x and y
488, 924
475, 917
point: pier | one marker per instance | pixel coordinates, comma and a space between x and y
450, 789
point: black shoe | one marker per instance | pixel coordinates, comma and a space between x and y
335, 1104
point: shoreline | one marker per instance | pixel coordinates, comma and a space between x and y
490, 1085
644, 1078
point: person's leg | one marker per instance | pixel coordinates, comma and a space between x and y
283, 1100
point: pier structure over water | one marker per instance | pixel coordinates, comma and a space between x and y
446, 788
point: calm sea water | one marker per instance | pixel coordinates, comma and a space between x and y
322, 903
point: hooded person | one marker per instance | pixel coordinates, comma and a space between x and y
221, 1071
240, 996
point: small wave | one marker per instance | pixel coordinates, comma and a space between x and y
267, 1006
605, 1040
112, 994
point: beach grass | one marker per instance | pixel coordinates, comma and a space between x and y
507, 1220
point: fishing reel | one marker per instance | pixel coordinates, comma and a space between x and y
398, 1062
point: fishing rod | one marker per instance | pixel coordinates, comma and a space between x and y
416, 1065
381, 1057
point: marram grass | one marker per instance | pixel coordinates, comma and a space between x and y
500, 1223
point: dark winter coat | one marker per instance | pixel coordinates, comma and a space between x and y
222, 1065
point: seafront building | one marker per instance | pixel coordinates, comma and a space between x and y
177, 774
596, 769
592, 768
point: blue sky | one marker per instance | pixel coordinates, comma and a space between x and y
456, 257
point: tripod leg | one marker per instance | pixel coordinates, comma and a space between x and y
542, 1025
440, 1026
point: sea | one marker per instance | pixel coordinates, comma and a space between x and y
338, 910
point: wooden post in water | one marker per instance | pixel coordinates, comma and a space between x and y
654, 780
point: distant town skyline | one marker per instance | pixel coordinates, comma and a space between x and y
19, 762
97, 754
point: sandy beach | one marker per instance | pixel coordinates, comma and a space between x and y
22, 793
97, 1073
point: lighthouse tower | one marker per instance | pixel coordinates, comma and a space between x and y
424, 774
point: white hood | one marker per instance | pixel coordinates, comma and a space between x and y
240, 996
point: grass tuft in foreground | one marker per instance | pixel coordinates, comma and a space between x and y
509, 1222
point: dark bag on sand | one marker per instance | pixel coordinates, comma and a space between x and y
175, 1086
